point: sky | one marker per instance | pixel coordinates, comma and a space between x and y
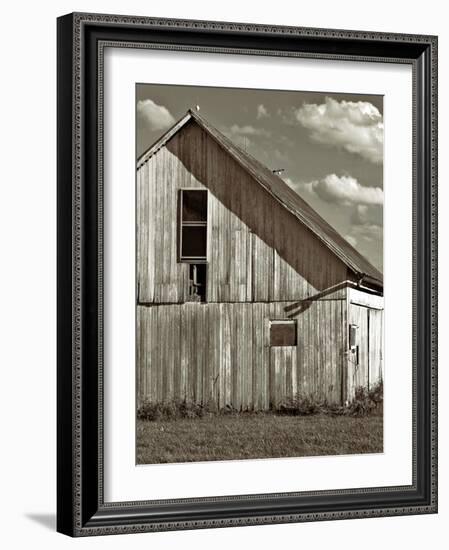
329, 145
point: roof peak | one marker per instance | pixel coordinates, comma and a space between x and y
277, 187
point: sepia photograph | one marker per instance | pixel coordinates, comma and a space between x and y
259, 273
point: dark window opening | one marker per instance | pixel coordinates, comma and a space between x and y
197, 282
283, 333
352, 336
194, 242
193, 226
194, 205
353, 344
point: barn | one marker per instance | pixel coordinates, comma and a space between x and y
246, 297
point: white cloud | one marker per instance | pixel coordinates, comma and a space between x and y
351, 240
262, 111
157, 117
293, 184
356, 127
344, 190
364, 224
248, 130
369, 232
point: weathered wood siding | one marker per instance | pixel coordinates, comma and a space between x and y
375, 346
365, 364
257, 250
220, 353
358, 368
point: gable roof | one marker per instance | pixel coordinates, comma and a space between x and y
277, 187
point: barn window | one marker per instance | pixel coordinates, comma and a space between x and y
193, 226
197, 283
283, 333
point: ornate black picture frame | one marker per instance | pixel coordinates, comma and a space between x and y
81, 510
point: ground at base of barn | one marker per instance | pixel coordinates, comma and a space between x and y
261, 435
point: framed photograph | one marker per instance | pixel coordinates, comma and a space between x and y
247, 275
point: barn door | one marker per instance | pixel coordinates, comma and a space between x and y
283, 374
375, 346
358, 367
283, 384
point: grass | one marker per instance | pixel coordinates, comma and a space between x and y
364, 403
256, 435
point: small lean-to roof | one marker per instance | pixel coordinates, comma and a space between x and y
283, 193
